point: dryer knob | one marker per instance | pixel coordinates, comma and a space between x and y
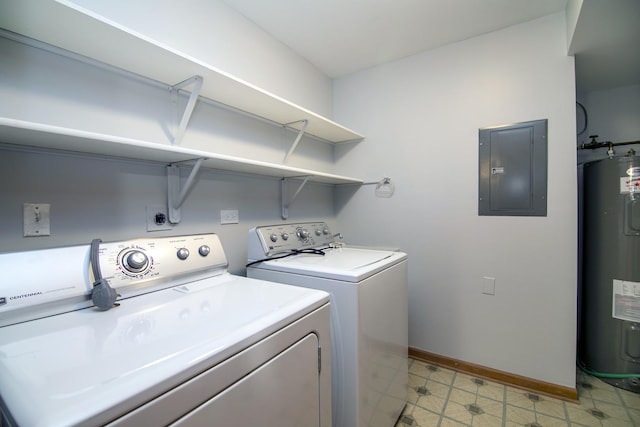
273, 237
303, 234
135, 261
183, 253
325, 231
204, 250
285, 236
318, 232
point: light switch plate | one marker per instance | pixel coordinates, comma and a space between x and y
36, 221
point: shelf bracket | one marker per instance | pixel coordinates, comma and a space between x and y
196, 81
285, 203
176, 195
301, 131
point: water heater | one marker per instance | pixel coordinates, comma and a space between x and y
609, 339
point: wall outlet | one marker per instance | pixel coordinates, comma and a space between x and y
229, 217
157, 218
36, 220
489, 285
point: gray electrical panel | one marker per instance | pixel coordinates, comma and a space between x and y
513, 169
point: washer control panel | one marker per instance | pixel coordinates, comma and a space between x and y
135, 261
286, 237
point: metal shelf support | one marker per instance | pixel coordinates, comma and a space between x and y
285, 203
301, 131
196, 81
176, 195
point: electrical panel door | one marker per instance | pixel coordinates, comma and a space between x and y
513, 169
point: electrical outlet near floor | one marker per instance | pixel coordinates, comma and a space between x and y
157, 218
489, 285
36, 220
229, 216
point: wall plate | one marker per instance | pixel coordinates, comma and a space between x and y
157, 218
229, 216
36, 220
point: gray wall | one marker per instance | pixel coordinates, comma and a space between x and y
94, 197
102, 198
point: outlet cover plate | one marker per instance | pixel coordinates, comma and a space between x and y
155, 212
229, 216
489, 285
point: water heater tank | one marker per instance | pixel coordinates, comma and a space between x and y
609, 339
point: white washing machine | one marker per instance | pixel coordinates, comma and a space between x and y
184, 344
369, 320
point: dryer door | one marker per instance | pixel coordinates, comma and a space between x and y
283, 392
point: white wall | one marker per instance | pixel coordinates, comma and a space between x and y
421, 116
218, 35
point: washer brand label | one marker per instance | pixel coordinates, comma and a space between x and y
32, 294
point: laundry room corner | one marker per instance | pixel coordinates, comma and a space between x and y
422, 115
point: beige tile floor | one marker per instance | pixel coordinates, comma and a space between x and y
440, 397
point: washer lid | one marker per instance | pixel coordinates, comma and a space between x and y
346, 264
88, 364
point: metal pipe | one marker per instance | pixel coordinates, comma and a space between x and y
595, 144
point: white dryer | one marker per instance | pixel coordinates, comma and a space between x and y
188, 345
369, 320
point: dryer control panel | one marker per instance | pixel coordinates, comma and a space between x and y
269, 240
47, 282
136, 261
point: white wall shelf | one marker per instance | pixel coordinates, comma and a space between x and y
67, 26
39, 135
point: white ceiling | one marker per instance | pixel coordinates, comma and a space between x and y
343, 36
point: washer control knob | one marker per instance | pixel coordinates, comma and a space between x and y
273, 237
285, 236
204, 250
303, 234
325, 231
318, 232
183, 253
135, 261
